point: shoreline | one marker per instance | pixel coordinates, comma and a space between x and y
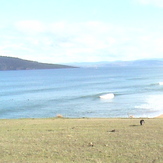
159, 116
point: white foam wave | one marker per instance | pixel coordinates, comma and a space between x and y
107, 96
160, 83
152, 103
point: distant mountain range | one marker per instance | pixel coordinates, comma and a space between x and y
135, 63
11, 63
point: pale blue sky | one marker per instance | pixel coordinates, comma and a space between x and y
62, 31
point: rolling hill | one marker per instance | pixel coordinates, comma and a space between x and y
11, 63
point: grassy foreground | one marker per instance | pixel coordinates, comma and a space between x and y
81, 140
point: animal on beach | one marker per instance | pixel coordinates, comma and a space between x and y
142, 122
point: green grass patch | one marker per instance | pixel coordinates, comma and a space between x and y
81, 140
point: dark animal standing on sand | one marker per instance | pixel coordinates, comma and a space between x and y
142, 122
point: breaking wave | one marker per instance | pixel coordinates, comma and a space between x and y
152, 103
160, 83
107, 96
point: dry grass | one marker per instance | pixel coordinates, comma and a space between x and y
81, 141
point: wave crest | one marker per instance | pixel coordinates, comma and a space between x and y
107, 96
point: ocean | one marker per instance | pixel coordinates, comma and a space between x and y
82, 92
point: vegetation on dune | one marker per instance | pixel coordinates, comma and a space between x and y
81, 140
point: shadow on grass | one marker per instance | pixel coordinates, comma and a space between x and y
134, 125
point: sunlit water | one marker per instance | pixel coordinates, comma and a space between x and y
82, 92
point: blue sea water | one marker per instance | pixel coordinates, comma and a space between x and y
137, 91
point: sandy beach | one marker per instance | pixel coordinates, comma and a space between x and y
160, 116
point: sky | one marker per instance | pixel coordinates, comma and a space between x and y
65, 31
